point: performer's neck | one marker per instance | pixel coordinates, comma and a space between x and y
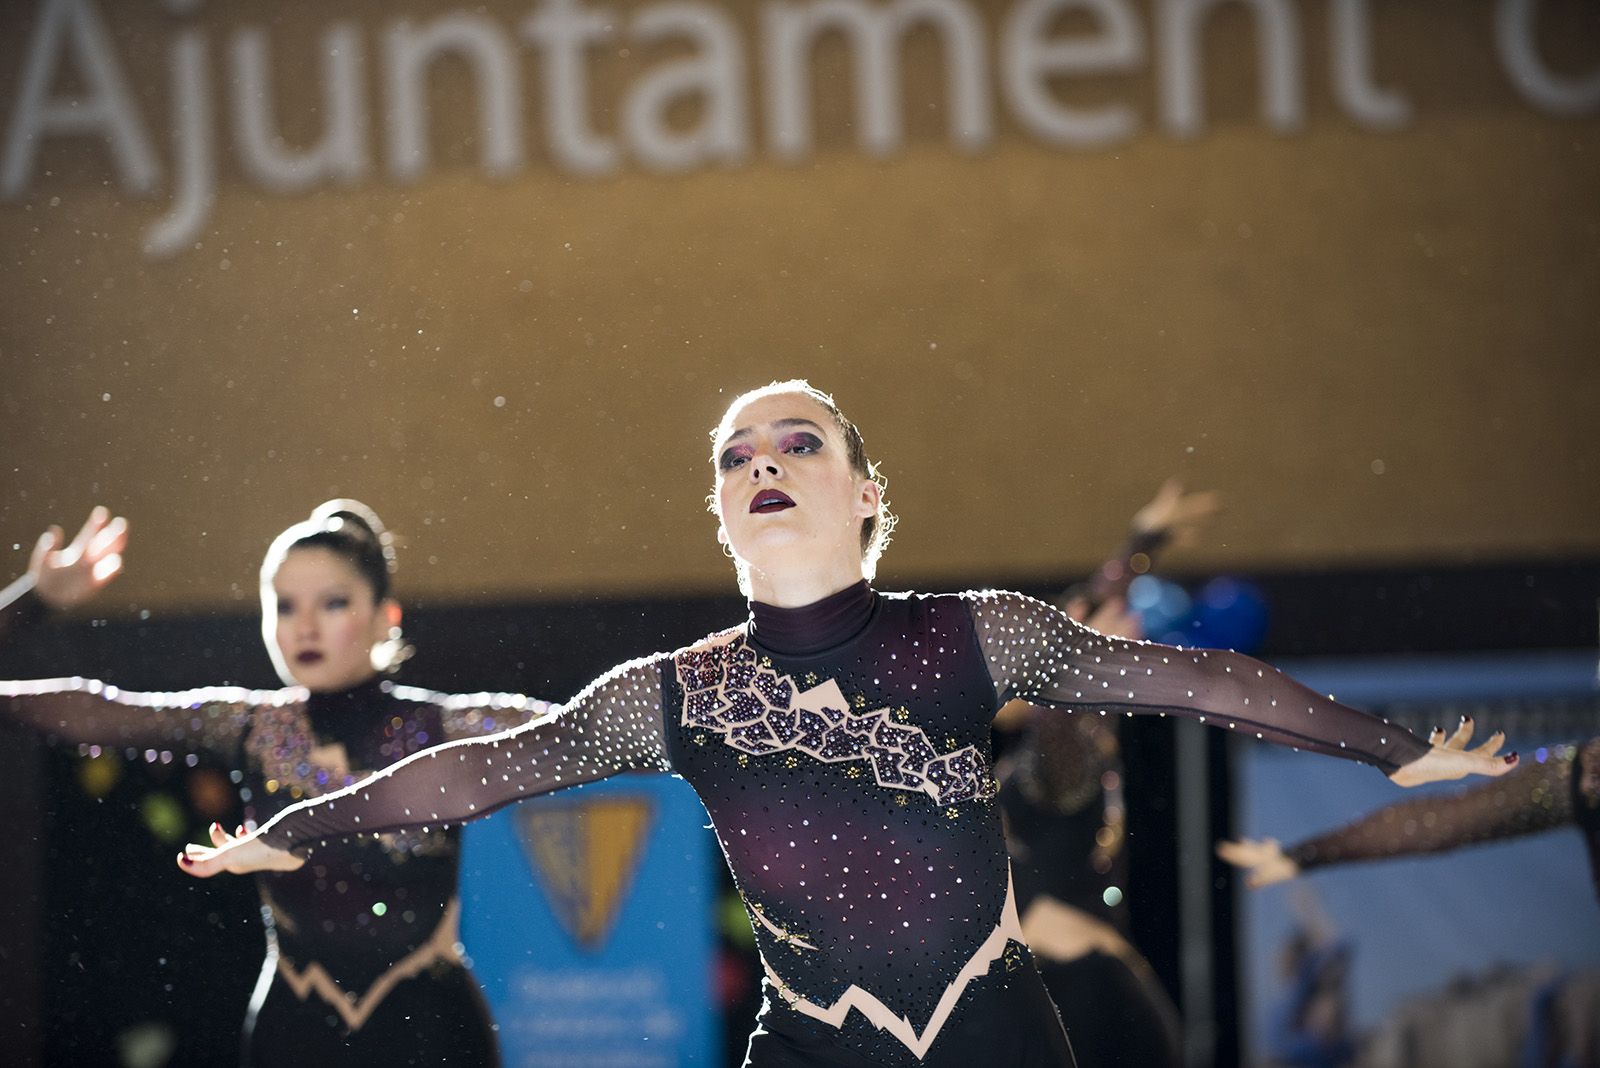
799, 587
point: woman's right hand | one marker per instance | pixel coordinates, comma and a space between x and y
67, 576
1177, 513
1262, 859
239, 854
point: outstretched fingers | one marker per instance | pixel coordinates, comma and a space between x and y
104, 551
1485, 757
99, 515
240, 855
1444, 762
48, 543
1492, 744
1461, 735
201, 862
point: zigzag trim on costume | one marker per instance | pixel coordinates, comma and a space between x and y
882, 1017
355, 1011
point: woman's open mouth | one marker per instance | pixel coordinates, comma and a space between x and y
310, 656
768, 501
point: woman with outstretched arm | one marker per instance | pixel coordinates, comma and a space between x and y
839, 739
361, 964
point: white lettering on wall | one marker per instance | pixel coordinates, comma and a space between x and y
1278, 37
693, 109
410, 50
715, 73
191, 134
1353, 86
341, 154
1515, 26
874, 31
106, 110
1032, 59
565, 32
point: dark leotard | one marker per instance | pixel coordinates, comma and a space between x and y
1563, 791
842, 751
362, 963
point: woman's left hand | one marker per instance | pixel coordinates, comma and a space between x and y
1449, 758
237, 853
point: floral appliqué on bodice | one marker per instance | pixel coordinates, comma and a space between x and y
731, 690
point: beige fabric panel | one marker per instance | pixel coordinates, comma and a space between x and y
1379, 345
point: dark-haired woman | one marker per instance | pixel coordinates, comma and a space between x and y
839, 739
362, 963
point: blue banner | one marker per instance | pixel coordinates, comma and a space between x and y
587, 915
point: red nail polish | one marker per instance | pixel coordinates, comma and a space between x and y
1511, 758
185, 859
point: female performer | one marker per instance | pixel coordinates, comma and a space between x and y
362, 965
839, 739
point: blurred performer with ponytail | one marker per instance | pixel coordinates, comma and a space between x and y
1062, 797
362, 965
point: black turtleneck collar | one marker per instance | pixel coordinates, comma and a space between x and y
362, 697
815, 627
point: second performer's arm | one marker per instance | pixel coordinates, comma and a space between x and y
615, 725
88, 712
1037, 653
1532, 800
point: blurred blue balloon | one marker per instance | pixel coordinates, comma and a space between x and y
1229, 613
1161, 606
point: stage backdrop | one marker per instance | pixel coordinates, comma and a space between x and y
496, 268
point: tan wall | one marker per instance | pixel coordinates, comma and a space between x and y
1380, 345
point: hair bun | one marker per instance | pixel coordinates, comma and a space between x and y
356, 520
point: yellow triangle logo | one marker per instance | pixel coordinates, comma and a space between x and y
585, 854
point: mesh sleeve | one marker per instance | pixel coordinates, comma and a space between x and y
1533, 798
1037, 653
477, 715
92, 713
615, 725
